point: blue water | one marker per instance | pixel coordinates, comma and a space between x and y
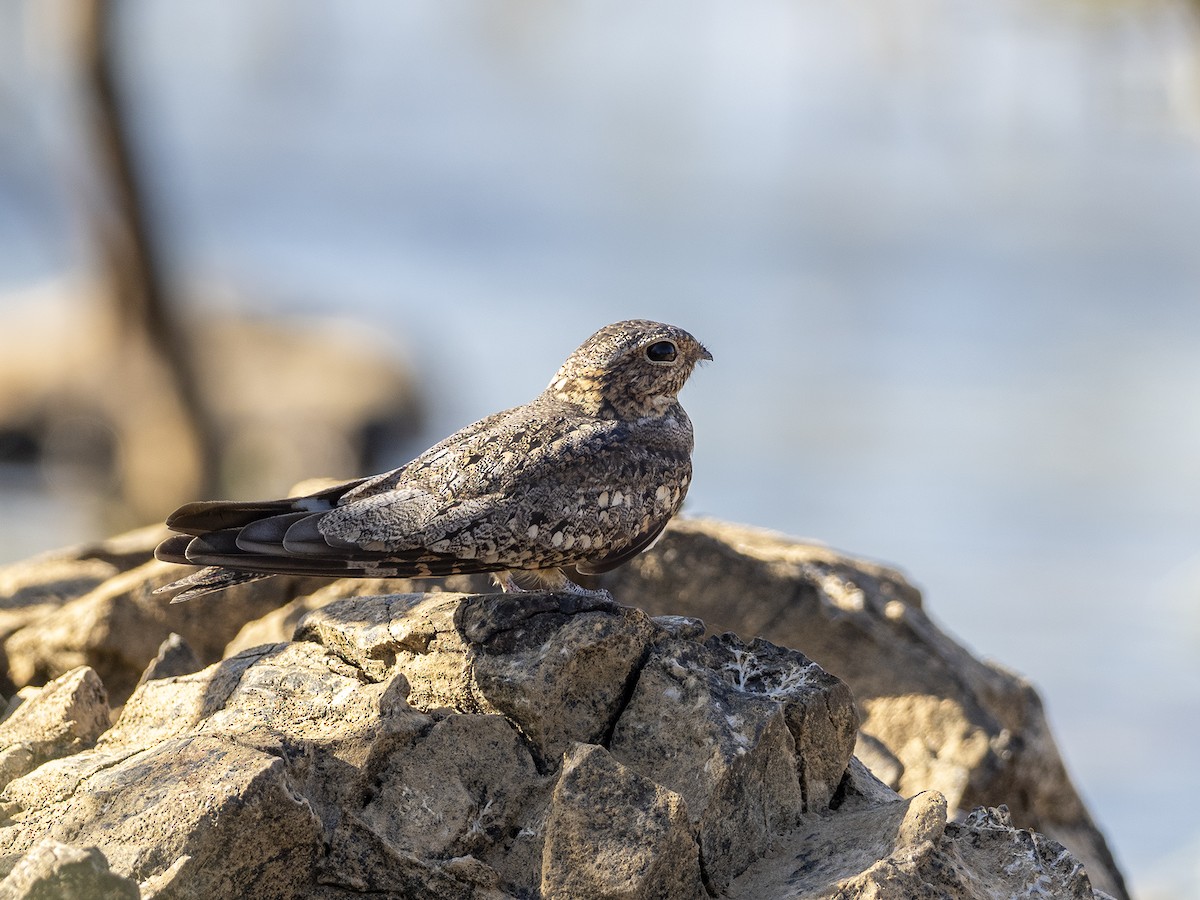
944, 254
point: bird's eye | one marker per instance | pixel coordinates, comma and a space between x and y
661, 351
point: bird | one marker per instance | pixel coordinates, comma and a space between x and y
578, 481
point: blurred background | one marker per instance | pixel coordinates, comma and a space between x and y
945, 253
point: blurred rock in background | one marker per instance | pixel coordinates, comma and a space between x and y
290, 398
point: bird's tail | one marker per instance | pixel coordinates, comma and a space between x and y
208, 580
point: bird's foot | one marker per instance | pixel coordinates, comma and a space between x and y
559, 583
509, 585
570, 587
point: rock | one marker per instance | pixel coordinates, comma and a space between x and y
175, 657
228, 811
280, 624
466, 788
494, 746
33, 589
363, 789
57, 871
235, 773
933, 716
64, 717
906, 849
26, 693
277, 625
714, 724
613, 833
556, 665
987, 840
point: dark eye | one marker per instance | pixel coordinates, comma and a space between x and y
661, 351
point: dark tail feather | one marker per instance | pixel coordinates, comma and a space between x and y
216, 515
174, 549
267, 535
241, 542
208, 581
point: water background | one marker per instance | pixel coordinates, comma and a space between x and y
945, 252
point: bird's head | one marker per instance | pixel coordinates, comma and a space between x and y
629, 369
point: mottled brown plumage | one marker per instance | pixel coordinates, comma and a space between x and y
582, 478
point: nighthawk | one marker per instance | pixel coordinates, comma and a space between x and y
580, 480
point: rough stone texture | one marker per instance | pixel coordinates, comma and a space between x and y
35, 589
614, 833
557, 666
712, 722
303, 766
489, 746
215, 817
906, 849
280, 624
57, 871
933, 716
64, 717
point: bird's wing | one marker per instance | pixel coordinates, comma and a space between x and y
619, 555
586, 496
440, 455
520, 493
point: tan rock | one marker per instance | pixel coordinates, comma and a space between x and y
556, 665
32, 589
494, 746
162, 708
711, 723
906, 849
230, 810
175, 657
280, 624
57, 871
116, 626
64, 717
276, 626
466, 788
613, 834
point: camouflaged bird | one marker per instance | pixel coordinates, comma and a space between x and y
583, 478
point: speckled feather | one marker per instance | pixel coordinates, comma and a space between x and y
582, 478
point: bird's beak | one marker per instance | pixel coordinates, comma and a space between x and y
704, 354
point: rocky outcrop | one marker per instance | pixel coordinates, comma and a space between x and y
419, 740
346, 739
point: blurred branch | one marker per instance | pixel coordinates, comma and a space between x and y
139, 292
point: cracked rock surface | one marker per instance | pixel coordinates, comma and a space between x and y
345, 739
